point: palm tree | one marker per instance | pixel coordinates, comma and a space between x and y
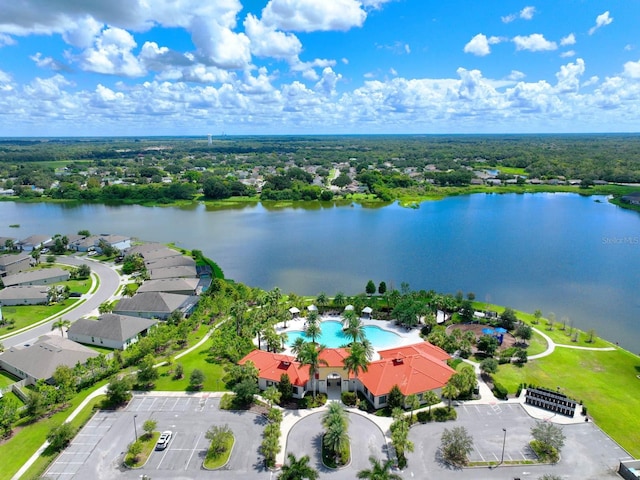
297, 346
322, 299
336, 422
238, 310
355, 329
297, 469
450, 391
61, 324
310, 355
359, 358
313, 329
339, 299
379, 471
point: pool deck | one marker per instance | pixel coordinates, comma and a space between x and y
405, 337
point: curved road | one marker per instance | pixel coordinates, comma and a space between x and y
109, 283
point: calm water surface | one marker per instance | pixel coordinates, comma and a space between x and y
572, 255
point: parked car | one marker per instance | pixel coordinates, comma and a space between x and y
164, 439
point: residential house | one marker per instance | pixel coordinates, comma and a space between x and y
32, 242
45, 276
4, 240
24, 295
110, 330
156, 305
40, 360
172, 272
92, 242
632, 198
415, 369
173, 261
10, 264
181, 286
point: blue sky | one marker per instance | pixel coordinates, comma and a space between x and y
192, 67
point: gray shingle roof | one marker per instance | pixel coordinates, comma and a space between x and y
175, 261
24, 291
11, 259
152, 302
181, 271
34, 276
111, 326
169, 285
41, 359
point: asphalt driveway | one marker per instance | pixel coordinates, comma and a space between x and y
365, 436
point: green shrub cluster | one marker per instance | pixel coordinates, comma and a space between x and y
349, 398
500, 391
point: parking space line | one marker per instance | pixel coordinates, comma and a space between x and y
165, 452
195, 446
478, 451
175, 403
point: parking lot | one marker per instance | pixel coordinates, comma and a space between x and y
588, 453
98, 450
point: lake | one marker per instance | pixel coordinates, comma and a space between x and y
576, 256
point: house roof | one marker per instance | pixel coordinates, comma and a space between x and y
334, 357
23, 292
10, 259
169, 285
414, 368
33, 276
111, 326
34, 240
144, 247
425, 348
152, 302
41, 359
158, 253
272, 365
181, 271
173, 261
111, 239
413, 373
3, 240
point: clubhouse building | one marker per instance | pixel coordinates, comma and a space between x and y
415, 369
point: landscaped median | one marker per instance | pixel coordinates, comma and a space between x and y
139, 451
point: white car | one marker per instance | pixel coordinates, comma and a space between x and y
164, 439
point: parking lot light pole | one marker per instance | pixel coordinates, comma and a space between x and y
135, 428
504, 440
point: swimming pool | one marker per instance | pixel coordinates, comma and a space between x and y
333, 336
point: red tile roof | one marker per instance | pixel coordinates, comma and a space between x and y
425, 348
272, 365
413, 374
414, 368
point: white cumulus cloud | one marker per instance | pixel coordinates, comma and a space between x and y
526, 13
479, 45
313, 15
534, 43
568, 40
601, 21
632, 69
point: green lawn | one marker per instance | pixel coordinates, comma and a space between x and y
24, 443
79, 286
103, 350
25, 315
537, 344
13, 396
197, 359
7, 379
607, 382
